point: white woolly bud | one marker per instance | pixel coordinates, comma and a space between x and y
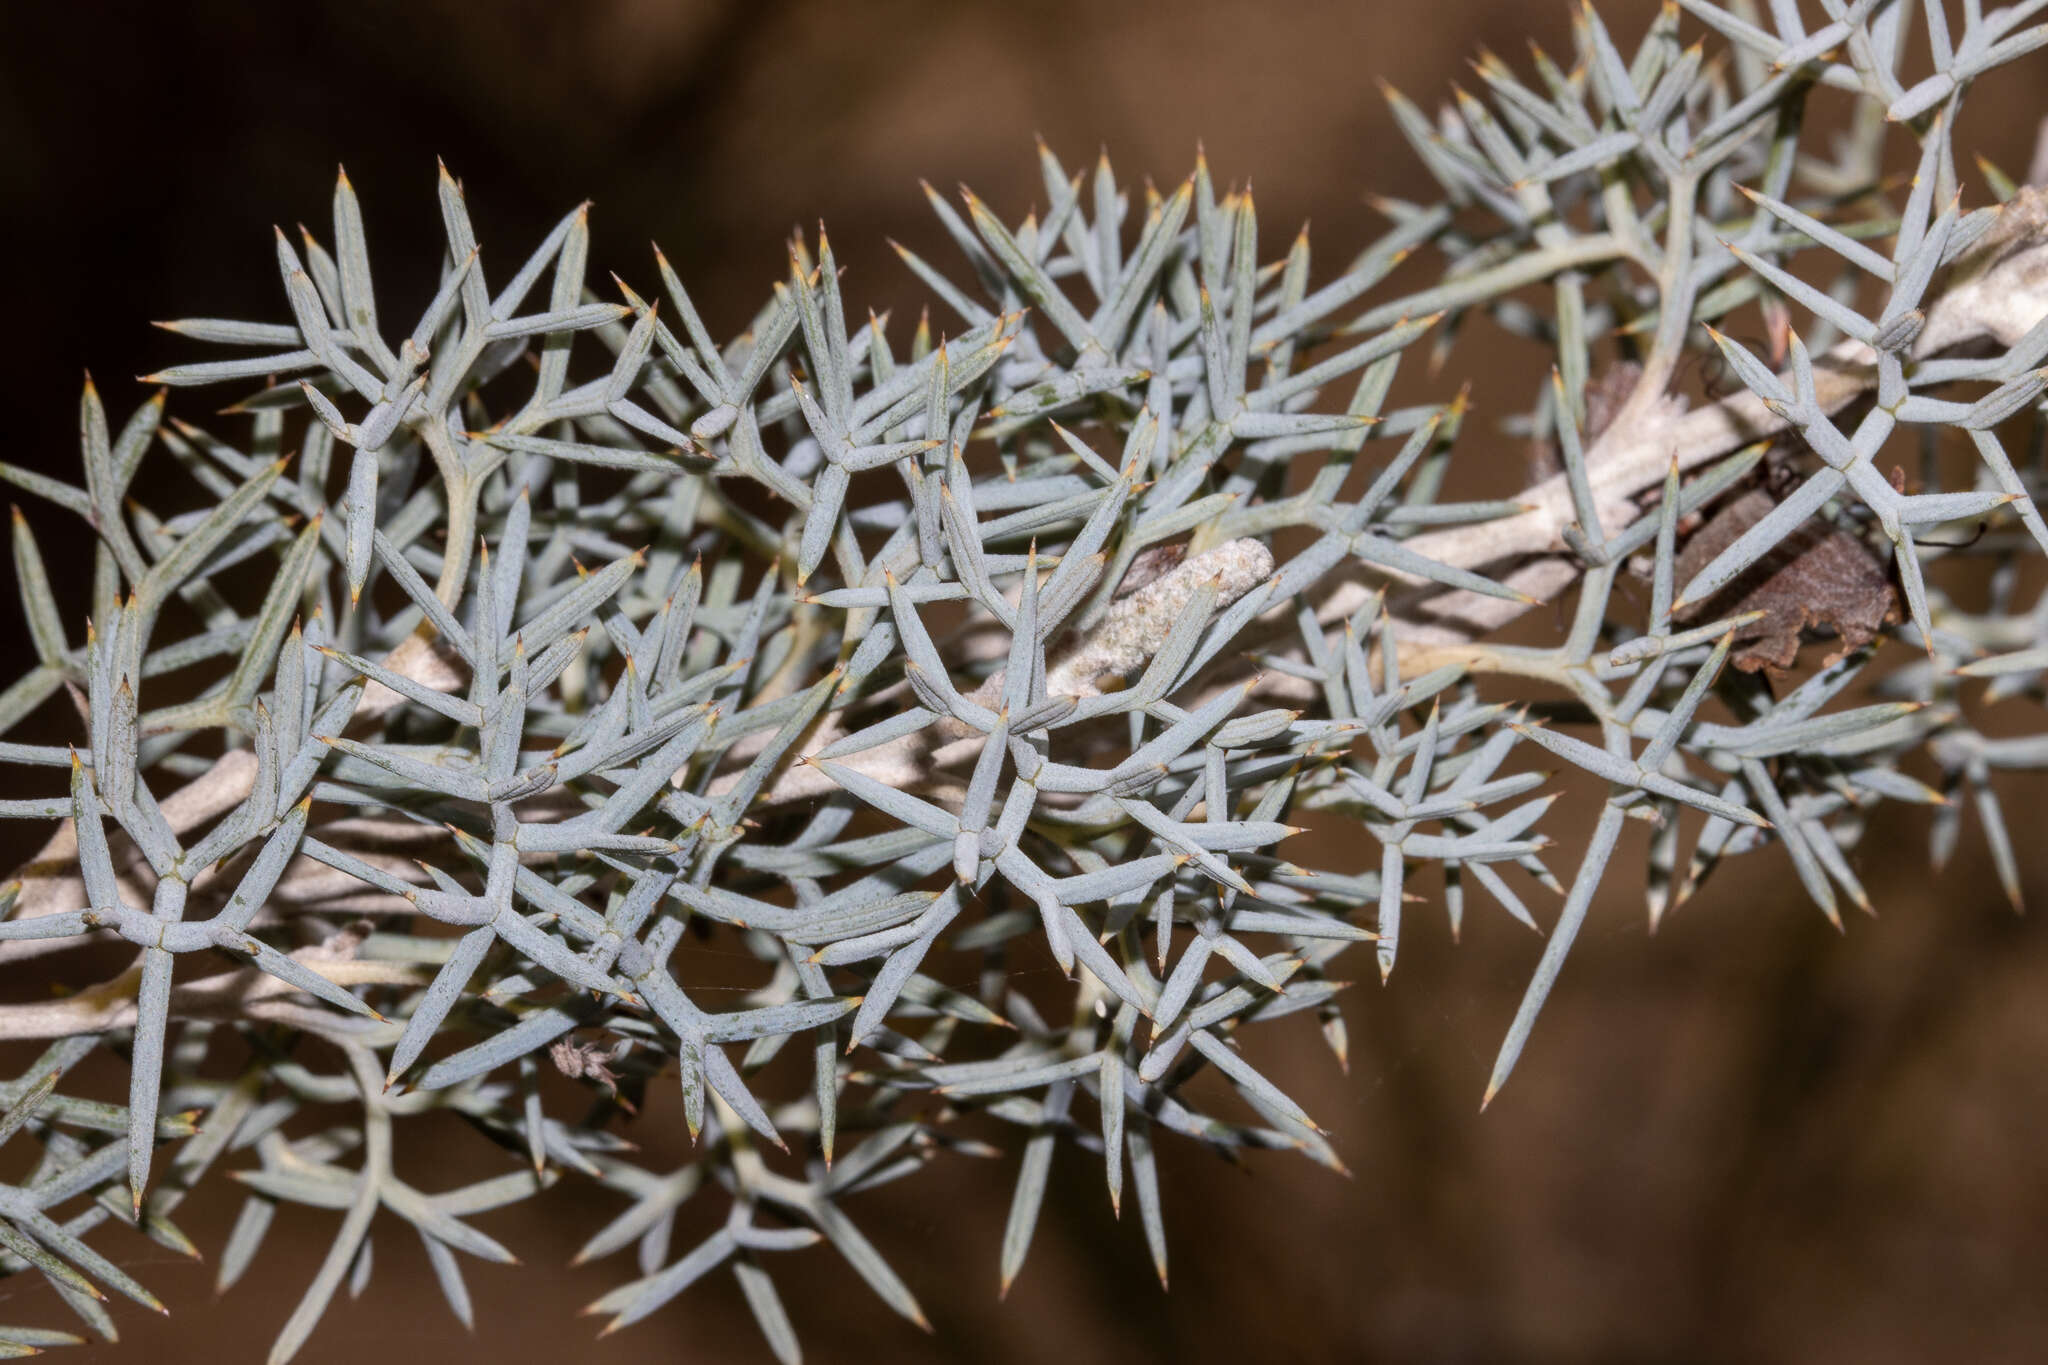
1136, 626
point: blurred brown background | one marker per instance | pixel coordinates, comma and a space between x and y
1744, 1139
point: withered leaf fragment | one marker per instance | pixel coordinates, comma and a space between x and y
1820, 578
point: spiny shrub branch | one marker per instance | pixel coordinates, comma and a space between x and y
507, 657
